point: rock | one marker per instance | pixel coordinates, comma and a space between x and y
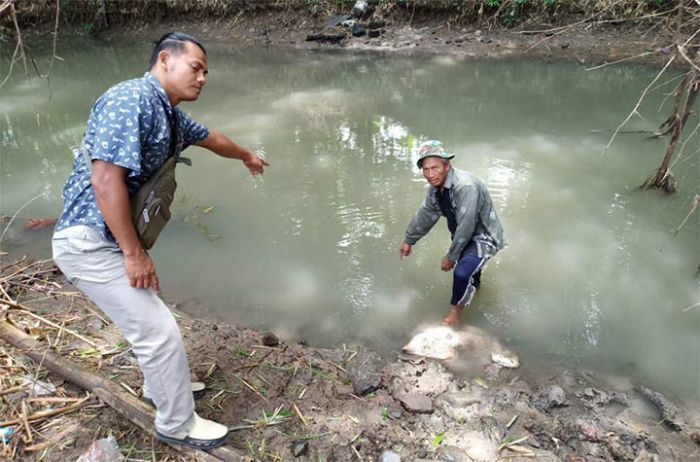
464, 406
506, 359
270, 339
343, 390
478, 447
363, 9
300, 448
416, 403
358, 30
645, 456
549, 397
695, 436
389, 456
330, 38
363, 372
596, 399
376, 25
453, 454
669, 412
374, 33
336, 20
565, 45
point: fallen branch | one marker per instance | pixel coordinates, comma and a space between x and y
130, 407
44, 414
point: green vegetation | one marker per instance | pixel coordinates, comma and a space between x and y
91, 16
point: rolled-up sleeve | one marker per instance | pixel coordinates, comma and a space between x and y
423, 221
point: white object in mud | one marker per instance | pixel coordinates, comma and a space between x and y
438, 342
506, 359
473, 345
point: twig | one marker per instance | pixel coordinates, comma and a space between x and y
25, 422
55, 40
301, 416
18, 210
640, 55
46, 414
506, 445
250, 387
11, 390
359, 457
22, 309
512, 421
639, 102
696, 202
695, 305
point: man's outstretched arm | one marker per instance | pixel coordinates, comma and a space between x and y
224, 146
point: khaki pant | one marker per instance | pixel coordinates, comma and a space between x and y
96, 267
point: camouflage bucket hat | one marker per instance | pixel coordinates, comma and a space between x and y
432, 148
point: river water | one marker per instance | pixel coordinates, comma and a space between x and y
593, 275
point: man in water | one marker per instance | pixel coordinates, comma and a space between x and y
476, 232
95, 243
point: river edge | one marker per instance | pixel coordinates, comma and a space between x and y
291, 401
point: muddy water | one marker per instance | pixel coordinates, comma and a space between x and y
593, 275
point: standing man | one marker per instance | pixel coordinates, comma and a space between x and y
476, 231
95, 243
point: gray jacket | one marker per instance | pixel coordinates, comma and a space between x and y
473, 210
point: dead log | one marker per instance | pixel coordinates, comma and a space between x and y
688, 91
127, 405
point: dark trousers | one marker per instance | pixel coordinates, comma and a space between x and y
467, 276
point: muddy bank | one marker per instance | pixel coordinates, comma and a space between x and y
589, 34
290, 401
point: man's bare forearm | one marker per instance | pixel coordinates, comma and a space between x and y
113, 201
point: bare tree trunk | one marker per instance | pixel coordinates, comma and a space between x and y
688, 91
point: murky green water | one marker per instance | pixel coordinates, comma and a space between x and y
593, 275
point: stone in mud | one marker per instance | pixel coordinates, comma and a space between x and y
358, 30
389, 456
669, 412
479, 447
506, 359
416, 403
464, 406
363, 372
270, 339
549, 397
374, 33
645, 456
300, 448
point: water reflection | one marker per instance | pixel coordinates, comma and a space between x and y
592, 273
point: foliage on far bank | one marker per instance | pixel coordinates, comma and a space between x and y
95, 15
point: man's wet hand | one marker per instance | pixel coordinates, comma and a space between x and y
446, 264
405, 250
141, 271
256, 164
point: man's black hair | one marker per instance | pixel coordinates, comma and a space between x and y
175, 42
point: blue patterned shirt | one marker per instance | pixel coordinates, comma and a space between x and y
129, 126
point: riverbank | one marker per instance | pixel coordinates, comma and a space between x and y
591, 34
290, 401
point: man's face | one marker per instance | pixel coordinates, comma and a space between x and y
435, 171
185, 73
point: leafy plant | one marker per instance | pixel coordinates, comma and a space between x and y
437, 441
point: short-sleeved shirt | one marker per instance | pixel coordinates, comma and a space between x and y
129, 126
